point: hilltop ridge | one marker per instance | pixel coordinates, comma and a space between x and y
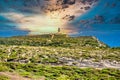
58, 39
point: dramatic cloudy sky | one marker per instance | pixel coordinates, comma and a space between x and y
100, 18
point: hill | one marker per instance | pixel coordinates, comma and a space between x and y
53, 40
58, 57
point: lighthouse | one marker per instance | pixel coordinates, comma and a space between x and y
59, 30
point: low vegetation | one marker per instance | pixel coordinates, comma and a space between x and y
2, 77
62, 72
52, 41
58, 57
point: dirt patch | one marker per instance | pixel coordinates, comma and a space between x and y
15, 76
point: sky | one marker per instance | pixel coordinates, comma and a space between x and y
99, 18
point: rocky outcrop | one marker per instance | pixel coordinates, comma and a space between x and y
89, 63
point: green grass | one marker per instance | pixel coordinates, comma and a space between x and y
53, 54
57, 41
2, 77
32, 56
63, 72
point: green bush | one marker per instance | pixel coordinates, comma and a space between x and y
3, 68
2, 77
63, 72
63, 77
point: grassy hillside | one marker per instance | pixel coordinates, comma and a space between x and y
59, 57
55, 40
36, 71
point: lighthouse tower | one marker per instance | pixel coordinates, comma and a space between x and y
59, 30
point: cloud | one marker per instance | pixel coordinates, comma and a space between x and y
39, 16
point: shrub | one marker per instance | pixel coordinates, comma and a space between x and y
2, 77
63, 77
